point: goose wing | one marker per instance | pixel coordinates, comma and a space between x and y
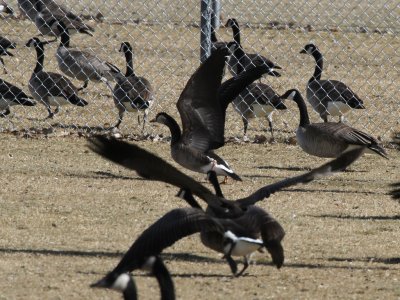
336, 165
170, 228
88, 60
150, 166
334, 90
9, 91
198, 106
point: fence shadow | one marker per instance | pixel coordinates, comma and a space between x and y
349, 217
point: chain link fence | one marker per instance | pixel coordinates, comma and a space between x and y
358, 39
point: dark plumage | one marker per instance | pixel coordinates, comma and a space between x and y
249, 60
329, 139
51, 89
11, 95
132, 93
328, 97
5, 45
4, 8
202, 106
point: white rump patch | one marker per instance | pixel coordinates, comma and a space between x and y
219, 169
1, 8
245, 246
121, 283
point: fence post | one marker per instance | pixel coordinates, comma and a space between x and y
205, 29
216, 9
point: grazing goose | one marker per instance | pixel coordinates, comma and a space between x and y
329, 139
240, 217
46, 21
250, 59
123, 282
82, 65
258, 100
5, 44
4, 8
132, 93
328, 97
50, 88
202, 107
11, 95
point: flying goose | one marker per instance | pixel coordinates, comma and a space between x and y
258, 99
202, 107
329, 139
123, 282
46, 21
4, 8
250, 59
132, 93
11, 95
80, 64
222, 215
51, 89
5, 44
328, 97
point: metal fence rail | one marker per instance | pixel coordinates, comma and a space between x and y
359, 41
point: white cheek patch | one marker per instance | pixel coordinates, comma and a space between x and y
1, 8
122, 282
148, 265
292, 94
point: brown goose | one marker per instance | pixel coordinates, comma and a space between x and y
328, 97
250, 60
49, 88
202, 107
230, 227
132, 93
329, 139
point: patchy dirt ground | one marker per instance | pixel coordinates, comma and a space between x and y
68, 216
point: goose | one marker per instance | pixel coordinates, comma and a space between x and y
4, 8
202, 107
395, 192
329, 97
50, 88
215, 44
11, 95
123, 282
250, 59
82, 65
329, 139
5, 44
132, 93
241, 217
46, 21
28, 8
258, 99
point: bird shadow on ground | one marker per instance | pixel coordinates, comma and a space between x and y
349, 217
103, 175
387, 260
284, 168
299, 190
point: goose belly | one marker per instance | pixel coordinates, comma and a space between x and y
245, 246
260, 110
319, 145
337, 108
57, 101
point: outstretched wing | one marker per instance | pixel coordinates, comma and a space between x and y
170, 228
198, 106
335, 165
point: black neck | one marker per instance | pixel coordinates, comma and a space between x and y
304, 119
40, 58
318, 67
236, 32
239, 54
174, 128
130, 291
213, 36
164, 280
64, 37
129, 64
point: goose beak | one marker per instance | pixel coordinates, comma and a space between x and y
153, 120
303, 51
102, 283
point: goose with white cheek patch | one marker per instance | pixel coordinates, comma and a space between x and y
247, 221
329, 97
329, 139
49, 88
202, 106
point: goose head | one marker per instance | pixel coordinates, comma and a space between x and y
126, 47
309, 49
113, 281
162, 118
36, 42
290, 94
232, 22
